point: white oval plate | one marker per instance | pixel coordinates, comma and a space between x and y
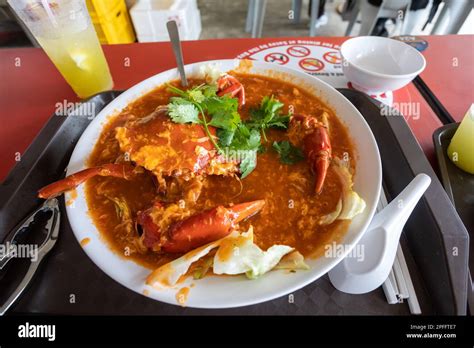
225, 292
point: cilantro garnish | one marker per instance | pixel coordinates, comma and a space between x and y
189, 105
237, 140
288, 153
268, 115
183, 112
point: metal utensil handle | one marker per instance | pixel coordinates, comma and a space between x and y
13, 235
44, 249
178, 53
21, 287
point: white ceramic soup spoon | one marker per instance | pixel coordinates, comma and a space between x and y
359, 275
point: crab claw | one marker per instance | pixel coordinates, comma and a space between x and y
318, 151
227, 84
196, 230
125, 171
316, 147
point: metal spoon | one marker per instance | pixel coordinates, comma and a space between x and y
178, 53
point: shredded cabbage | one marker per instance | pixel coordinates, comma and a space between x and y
331, 217
169, 274
236, 254
350, 204
292, 261
240, 255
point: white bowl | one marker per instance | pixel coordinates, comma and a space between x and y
377, 64
222, 292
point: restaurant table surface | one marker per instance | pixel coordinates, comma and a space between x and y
449, 72
31, 86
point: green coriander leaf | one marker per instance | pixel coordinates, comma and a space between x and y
176, 90
248, 162
241, 138
183, 113
196, 95
180, 101
288, 153
223, 104
256, 116
267, 115
244, 130
254, 139
242, 143
225, 136
279, 121
225, 120
271, 106
209, 91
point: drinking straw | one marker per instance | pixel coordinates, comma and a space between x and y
50, 14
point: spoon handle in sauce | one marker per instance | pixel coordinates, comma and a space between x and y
178, 53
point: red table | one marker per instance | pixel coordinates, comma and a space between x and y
31, 86
449, 71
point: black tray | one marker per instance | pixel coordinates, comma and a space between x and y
459, 186
431, 232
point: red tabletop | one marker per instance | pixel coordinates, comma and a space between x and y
31, 86
449, 71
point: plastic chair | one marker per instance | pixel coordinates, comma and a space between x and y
256, 13
452, 16
388, 9
255, 17
296, 6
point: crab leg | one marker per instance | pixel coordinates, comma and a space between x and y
197, 230
316, 146
318, 150
124, 171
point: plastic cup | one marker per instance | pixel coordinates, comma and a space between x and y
65, 32
461, 148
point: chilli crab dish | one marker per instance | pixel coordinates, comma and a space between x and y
237, 174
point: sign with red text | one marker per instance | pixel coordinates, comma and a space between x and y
314, 57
